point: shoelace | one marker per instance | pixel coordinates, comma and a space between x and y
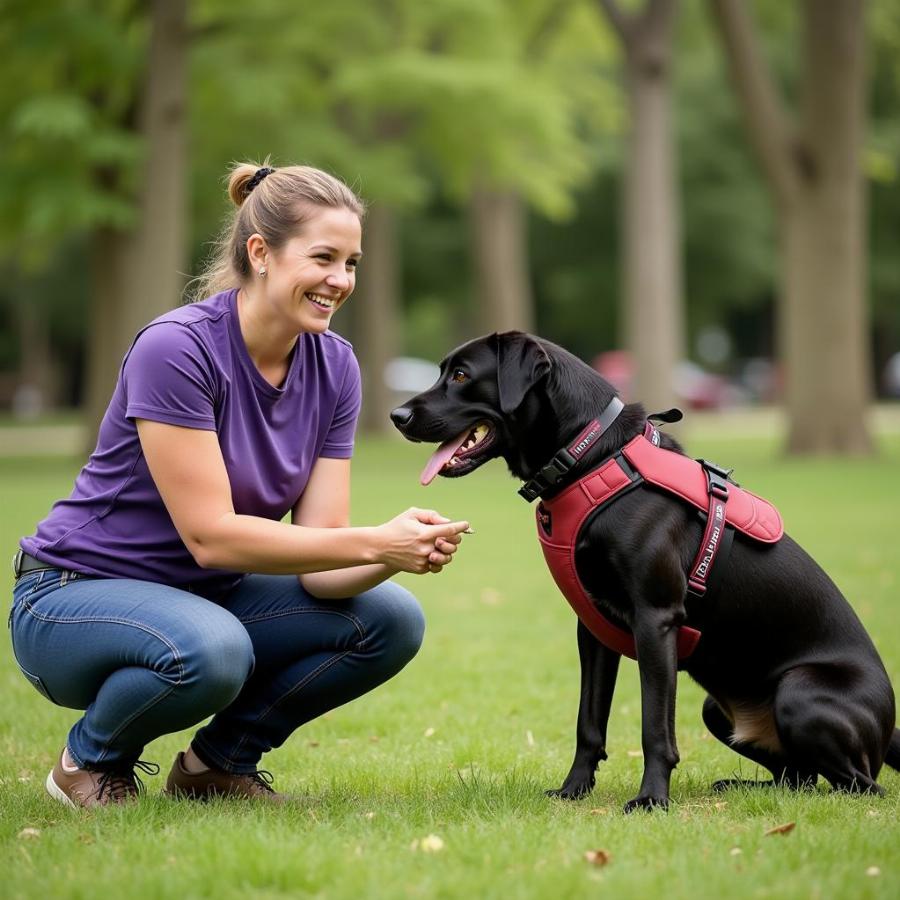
264, 779
119, 784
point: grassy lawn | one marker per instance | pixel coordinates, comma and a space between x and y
462, 743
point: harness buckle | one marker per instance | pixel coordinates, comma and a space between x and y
717, 478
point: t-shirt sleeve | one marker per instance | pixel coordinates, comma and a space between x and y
339, 440
168, 378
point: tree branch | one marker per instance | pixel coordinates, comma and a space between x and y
764, 115
623, 23
553, 18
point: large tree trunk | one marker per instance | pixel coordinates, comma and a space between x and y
376, 314
814, 174
158, 244
139, 275
653, 306
499, 230
826, 346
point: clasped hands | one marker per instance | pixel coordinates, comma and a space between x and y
421, 540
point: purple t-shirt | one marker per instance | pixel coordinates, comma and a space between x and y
190, 367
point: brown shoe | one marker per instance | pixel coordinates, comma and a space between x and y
90, 787
216, 783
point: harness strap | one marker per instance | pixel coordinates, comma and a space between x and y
711, 543
568, 457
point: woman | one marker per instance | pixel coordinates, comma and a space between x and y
132, 600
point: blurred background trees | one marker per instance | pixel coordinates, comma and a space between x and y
581, 168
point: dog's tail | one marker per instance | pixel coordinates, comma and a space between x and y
892, 757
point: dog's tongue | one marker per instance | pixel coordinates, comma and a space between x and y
442, 456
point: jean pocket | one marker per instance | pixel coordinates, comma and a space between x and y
28, 583
38, 684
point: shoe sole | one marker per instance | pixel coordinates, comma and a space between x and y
57, 793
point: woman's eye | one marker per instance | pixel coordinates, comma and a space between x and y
352, 263
459, 376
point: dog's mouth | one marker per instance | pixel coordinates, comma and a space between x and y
459, 455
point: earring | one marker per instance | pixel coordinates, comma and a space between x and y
262, 272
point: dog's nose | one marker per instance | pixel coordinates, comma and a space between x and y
402, 415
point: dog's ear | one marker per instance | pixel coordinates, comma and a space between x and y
521, 363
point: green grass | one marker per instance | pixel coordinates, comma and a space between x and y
463, 742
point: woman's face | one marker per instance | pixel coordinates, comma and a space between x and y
314, 273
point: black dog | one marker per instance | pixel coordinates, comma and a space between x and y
794, 681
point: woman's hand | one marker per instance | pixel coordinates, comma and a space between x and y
420, 540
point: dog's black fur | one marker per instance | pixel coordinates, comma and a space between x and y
795, 683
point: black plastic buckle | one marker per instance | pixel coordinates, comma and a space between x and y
531, 490
717, 478
558, 466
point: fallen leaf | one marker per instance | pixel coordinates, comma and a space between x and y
635, 752
429, 732
873, 871
735, 851
374, 738
530, 738
598, 857
370, 815
787, 828
600, 811
29, 834
429, 844
312, 744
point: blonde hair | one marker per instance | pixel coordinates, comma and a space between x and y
274, 204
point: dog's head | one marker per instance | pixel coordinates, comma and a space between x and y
475, 408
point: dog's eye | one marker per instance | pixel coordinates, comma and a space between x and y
459, 376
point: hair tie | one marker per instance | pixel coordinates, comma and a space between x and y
258, 176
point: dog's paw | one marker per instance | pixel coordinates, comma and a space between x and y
571, 790
648, 804
579, 783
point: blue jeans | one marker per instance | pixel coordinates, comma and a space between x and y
143, 659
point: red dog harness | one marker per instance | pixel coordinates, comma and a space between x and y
641, 461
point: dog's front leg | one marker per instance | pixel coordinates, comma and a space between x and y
656, 633
599, 668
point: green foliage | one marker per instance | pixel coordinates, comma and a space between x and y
68, 153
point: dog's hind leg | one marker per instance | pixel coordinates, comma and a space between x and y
722, 727
826, 722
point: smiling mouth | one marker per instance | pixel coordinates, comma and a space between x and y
459, 455
326, 304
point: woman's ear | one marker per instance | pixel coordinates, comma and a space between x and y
257, 252
521, 363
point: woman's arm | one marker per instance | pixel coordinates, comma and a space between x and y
189, 472
326, 504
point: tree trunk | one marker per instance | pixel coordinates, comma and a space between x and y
376, 314
814, 173
653, 306
499, 230
826, 317
138, 275
36, 388
109, 267
158, 244
654, 317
